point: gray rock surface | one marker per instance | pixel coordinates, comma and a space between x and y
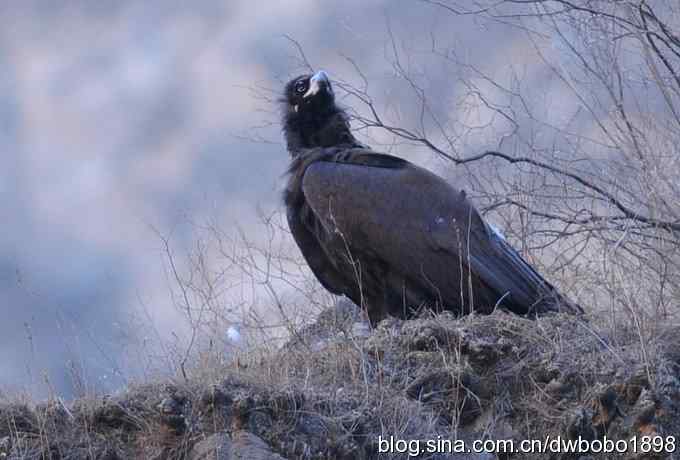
241, 445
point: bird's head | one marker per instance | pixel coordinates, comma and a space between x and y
310, 95
310, 116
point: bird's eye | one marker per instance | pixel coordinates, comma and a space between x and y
301, 87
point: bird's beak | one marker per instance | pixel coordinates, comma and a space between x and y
318, 82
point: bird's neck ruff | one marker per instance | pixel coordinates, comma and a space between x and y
310, 129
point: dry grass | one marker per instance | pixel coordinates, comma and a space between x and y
332, 390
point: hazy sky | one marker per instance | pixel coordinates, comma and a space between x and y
120, 117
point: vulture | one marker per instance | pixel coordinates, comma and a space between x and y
391, 236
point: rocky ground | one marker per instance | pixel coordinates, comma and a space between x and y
337, 386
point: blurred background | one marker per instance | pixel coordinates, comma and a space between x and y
124, 120
131, 130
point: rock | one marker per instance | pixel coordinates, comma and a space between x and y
215, 447
242, 445
247, 446
342, 320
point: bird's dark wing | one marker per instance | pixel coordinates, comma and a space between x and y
314, 255
389, 209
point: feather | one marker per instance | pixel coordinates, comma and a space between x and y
394, 237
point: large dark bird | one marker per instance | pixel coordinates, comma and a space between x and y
391, 236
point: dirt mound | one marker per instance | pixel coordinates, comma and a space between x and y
339, 390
